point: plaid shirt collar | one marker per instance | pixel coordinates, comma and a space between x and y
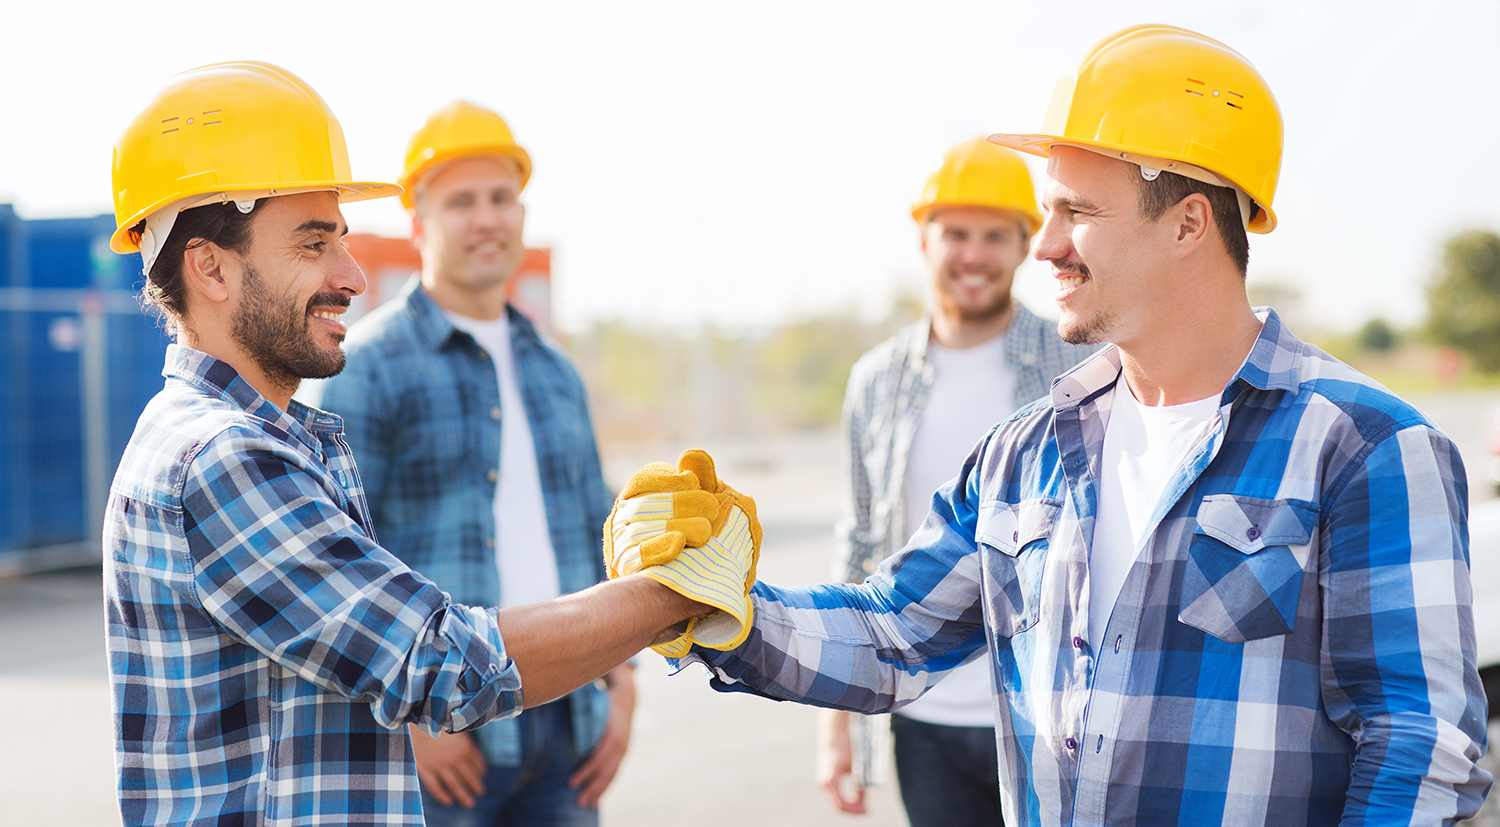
218, 378
1272, 364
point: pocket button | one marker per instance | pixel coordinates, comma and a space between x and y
1252, 533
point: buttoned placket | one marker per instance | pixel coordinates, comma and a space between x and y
1109, 670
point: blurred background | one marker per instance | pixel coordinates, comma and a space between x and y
719, 228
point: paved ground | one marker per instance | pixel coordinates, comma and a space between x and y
696, 756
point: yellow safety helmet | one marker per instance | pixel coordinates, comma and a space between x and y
457, 130
1166, 98
226, 132
977, 173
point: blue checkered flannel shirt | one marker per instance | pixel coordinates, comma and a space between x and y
265, 653
1295, 646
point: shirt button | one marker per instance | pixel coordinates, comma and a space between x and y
1015, 536
495, 413
1070, 744
1077, 642
492, 475
1252, 533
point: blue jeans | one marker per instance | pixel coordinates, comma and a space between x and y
949, 775
535, 793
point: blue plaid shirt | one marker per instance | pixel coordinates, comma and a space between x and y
1295, 646
265, 653
421, 407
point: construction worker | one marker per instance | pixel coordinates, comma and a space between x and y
1221, 576
492, 485
266, 654
916, 405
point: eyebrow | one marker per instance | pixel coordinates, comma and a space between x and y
320, 226
1072, 202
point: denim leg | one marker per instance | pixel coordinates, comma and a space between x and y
535, 794
949, 775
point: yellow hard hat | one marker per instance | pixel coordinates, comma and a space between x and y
457, 130
977, 173
226, 132
1165, 98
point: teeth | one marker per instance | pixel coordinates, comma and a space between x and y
326, 314
1070, 281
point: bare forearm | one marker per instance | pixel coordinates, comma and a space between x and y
563, 644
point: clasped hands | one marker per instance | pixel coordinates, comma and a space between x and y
684, 528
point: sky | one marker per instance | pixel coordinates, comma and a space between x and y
746, 164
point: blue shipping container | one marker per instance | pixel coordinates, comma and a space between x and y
80, 362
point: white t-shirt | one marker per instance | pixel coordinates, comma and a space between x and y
523, 545
972, 389
1143, 448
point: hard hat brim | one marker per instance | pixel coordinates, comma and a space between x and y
413, 176
1041, 146
125, 241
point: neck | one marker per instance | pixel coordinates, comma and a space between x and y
276, 389
485, 303
1192, 361
952, 330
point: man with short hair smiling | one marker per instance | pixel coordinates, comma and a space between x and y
916, 405
266, 654
481, 470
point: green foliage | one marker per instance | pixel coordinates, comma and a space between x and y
652, 384
1463, 298
1377, 336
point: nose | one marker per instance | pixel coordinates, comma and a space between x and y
1051, 240
347, 277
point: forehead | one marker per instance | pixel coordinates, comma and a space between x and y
974, 219
474, 172
286, 215
1075, 174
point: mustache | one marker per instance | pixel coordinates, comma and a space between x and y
1070, 265
329, 299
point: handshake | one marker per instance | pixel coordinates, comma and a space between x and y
687, 530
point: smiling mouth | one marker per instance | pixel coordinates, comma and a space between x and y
331, 315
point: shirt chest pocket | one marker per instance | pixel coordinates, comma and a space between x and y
1013, 548
1244, 572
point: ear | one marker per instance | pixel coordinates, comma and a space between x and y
203, 270
1194, 222
416, 229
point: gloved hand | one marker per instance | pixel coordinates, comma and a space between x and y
654, 530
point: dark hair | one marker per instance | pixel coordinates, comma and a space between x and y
222, 224
1169, 189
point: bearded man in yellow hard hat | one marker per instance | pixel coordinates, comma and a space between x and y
1216, 576
266, 654
915, 406
492, 486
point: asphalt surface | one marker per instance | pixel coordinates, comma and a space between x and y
696, 756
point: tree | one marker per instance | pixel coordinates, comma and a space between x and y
1377, 335
1463, 298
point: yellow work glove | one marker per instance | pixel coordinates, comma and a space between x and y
639, 537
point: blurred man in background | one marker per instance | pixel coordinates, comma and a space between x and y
916, 405
479, 461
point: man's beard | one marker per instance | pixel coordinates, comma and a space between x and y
1083, 331
275, 334
972, 315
